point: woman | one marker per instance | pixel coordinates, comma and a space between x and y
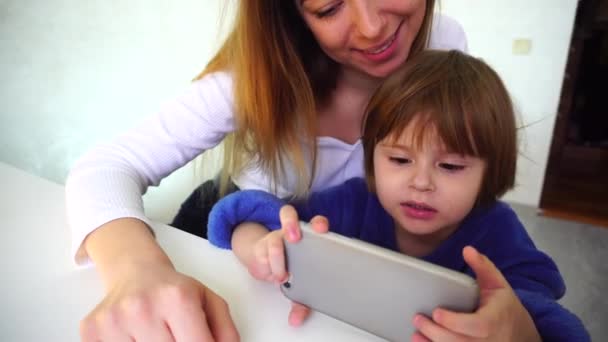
286, 92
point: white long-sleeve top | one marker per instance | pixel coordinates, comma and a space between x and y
108, 182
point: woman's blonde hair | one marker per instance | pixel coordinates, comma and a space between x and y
280, 77
458, 97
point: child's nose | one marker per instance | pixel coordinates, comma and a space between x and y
422, 180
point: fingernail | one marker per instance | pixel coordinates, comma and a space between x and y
417, 320
437, 315
292, 230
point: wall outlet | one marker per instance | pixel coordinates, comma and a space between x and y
522, 46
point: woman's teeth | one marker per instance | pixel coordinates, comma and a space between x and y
382, 48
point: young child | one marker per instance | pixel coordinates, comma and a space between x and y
440, 148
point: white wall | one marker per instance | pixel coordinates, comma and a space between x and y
76, 72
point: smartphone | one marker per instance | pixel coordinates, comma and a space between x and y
371, 287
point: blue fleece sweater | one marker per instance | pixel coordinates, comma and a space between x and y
495, 231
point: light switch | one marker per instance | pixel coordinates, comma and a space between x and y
522, 46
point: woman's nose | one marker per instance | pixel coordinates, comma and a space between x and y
367, 18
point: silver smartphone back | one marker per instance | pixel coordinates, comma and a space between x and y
370, 287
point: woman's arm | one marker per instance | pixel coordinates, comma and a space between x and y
122, 244
146, 298
107, 183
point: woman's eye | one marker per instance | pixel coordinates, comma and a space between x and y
327, 12
451, 167
399, 160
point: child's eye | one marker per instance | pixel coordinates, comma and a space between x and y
328, 11
399, 160
451, 167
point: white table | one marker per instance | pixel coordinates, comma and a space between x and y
43, 295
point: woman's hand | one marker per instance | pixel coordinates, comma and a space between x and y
147, 299
154, 302
500, 316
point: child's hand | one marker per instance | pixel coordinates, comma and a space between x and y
263, 253
500, 316
268, 262
291, 229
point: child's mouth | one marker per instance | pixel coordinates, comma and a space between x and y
418, 210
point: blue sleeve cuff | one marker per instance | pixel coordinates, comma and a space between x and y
238, 207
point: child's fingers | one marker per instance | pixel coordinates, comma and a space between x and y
261, 266
433, 331
298, 314
488, 276
468, 324
276, 257
418, 337
290, 223
320, 224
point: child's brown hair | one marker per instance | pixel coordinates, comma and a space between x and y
460, 98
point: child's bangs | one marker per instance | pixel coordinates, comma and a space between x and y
437, 114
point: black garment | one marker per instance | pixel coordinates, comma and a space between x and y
194, 212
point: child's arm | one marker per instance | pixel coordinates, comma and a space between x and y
239, 207
343, 206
